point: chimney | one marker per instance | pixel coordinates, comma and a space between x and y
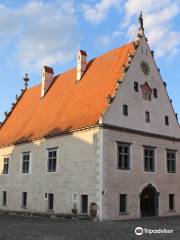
81, 64
47, 78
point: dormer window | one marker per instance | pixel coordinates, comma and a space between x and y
166, 120
136, 87
155, 92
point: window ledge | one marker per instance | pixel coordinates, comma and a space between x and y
23, 207
123, 213
173, 210
124, 169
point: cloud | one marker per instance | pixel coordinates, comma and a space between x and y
158, 18
97, 13
45, 33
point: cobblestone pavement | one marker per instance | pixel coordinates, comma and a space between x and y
39, 228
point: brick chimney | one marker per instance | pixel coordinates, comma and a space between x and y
81, 64
47, 78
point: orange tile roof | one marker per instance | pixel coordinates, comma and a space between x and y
67, 105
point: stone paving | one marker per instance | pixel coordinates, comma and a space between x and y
41, 228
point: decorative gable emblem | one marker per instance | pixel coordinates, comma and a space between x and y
145, 68
146, 91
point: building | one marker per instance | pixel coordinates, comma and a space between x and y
101, 136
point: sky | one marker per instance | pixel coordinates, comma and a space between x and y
36, 33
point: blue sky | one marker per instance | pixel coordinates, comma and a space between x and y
37, 33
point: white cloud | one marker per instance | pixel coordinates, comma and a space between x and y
158, 18
97, 13
46, 33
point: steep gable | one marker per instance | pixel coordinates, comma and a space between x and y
150, 99
67, 105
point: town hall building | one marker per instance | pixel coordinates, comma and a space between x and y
101, 139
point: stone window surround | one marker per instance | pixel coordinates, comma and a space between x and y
171, 151
30, 163
6, 162
57, 159
117, 152
149, 147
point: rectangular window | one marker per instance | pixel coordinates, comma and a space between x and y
149, 159
6, 165
25, 162
171, 161
52, 160
147, 117
155, 93
4, 199
84, 204
123, 203
50, 201
123, 152
125, 110
136, 87
166, 120
24, 199
171, 202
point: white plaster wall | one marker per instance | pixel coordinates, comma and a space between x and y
158, 107
77, 172
131, 182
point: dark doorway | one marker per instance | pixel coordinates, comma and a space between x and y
50, 201
84, 204
149, 201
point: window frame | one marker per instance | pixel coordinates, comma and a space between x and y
147, 117
149, 160
124, 166
166, 120
56, 149
123, 209
25, 161
136, 86
125, 110
173, 202
24, 200
155, 92
6, 164
4, 198
170, 162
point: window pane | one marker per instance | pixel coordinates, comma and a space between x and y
123, 156
123, 198
171, 202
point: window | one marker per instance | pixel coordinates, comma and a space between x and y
171, 202
171, 161
149, 159
6, 165
166, 120
125, 110
24, 199
84, 204
123, 203
52, 159
50, 201
4, 199
25, 162
123, 156
155, 93
147, 117
136, 87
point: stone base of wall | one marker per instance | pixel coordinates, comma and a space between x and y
48, 214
